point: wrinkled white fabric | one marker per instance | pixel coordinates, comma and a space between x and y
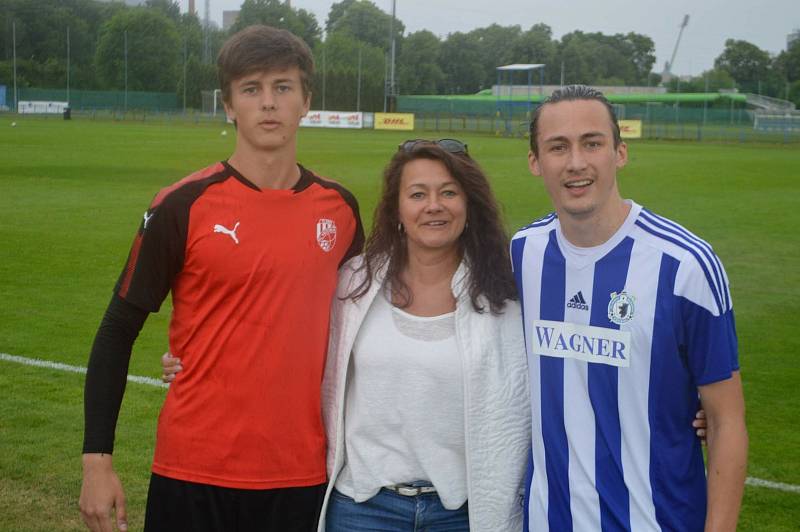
403, 406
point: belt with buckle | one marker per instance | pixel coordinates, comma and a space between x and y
407, 490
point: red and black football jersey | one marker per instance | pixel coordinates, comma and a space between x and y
252, 273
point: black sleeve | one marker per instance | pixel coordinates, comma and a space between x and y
107, 373
157, 253
357, 244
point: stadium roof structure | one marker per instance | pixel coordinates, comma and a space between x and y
506, 106
521, 67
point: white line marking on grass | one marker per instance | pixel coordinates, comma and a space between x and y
751, 481
38, 362
772, 485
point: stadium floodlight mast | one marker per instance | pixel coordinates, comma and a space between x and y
67, 66
389, 90
185, 55
126, 71
358, 86
14, 47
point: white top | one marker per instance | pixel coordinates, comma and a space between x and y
404, 408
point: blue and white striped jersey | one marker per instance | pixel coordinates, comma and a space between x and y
618, 338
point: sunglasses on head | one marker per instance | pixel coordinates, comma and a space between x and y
448, 145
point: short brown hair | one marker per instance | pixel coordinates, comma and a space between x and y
262, 48
568, 94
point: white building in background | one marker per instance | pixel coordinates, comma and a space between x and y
229, 18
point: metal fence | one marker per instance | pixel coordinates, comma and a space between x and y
735, 124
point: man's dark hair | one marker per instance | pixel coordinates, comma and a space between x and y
568, 94
263, 48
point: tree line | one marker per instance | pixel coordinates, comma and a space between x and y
168, 51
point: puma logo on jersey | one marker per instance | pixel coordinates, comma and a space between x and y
146, 219
230, 232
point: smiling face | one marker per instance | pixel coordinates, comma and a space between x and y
267, 107
577, 159
432, 206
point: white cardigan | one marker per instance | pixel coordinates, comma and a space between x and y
496, 397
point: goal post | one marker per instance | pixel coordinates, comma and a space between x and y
212, 103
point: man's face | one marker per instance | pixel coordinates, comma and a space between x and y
577, 159
267, 107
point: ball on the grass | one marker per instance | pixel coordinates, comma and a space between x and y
13, 124
224, 133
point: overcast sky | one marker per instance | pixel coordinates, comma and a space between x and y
765, 23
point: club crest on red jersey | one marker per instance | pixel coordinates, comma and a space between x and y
326, 234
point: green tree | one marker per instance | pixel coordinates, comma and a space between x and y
572, 53
338, 74
153, 46
794, 92
745, 62
168, 7
460, 61
537, 46
279, 15
366, 22
200, 76
717, 79
788, 62
601, 59
336, 12
640, 51
418, 66
495, 46
41, 40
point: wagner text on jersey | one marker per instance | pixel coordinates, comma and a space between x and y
582, 342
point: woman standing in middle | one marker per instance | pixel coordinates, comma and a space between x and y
425, 395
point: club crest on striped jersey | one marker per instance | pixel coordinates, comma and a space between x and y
326, 234
621, 308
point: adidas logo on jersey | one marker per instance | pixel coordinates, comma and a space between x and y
578, 302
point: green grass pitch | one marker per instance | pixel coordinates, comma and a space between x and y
72, 195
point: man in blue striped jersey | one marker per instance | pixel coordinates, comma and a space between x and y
628, 318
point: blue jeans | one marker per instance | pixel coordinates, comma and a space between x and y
391, 512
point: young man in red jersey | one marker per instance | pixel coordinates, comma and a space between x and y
249, 249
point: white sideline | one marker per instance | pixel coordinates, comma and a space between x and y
75, 369
761, 483
751, 481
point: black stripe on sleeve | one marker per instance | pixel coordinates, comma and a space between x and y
107, 373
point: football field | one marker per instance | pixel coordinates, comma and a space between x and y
72, 196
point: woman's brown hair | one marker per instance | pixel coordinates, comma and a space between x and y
483, 244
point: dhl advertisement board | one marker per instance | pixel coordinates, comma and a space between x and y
399, 121
630, 129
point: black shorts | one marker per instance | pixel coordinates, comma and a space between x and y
180, 506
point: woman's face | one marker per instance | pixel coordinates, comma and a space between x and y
432, 206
